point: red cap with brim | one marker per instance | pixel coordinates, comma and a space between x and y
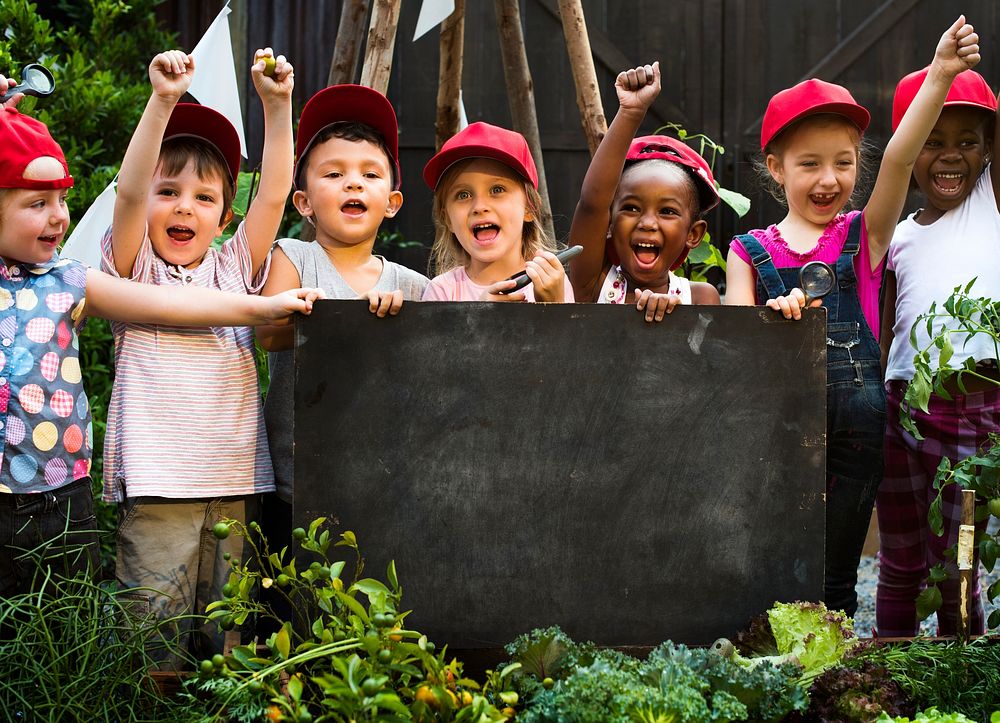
969, 89
482, 140
352, 104
809, 98
199, 121
665, 148
23, 140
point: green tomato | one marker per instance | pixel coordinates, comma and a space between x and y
228, 622
299, 534
370, 687
283, 580
430, 647
206, 667
548, 683
229, 590
994, 506
218, 660
385, 656
221, 530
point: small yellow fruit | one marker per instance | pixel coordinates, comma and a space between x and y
269, 63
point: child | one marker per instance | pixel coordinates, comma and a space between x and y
486, 210
176, 474
44, 474
953, 239
810, 138
654, 207
346, 183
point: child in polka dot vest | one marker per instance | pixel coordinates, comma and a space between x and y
45, 426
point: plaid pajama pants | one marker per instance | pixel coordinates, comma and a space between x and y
953, 429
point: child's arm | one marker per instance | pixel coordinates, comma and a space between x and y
888, 316
739, 281
170, 74
281, 277
637, 89
995, 148
128, 301
957, 50
265, 212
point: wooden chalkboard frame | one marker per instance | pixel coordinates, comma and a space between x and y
536, 464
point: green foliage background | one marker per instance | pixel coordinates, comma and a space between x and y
98, 51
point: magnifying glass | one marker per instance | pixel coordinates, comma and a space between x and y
816, 279
36, 80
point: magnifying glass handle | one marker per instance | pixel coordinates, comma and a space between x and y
11, 93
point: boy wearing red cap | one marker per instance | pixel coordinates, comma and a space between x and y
954, 238
186, 444
641, 211
810, 140
346, 180
46, 501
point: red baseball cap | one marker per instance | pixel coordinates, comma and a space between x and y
969, 88
199, 121
24, 139
665, 148
482, 140
348, 103
809, 98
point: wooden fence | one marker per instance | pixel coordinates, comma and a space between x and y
721, 60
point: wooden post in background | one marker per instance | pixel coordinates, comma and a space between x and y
381, 40
350, 36
450, 74
588, 96
966, 559
521, 95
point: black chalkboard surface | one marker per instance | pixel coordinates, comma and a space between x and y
536, 464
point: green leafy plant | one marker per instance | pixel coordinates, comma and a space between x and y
705, 255
345, 654
960, 318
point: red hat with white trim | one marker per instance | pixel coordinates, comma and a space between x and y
24, 139
482, 140
199, 121
809, 98
969, 89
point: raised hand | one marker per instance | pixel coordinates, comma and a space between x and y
276, 84
171, 73
958, 48
637, 88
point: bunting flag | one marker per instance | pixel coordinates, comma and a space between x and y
463, 120
432, 14
214, 85
84, 244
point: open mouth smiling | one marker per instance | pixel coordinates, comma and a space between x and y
180, 233
485, 232
646, 252
948, 184
354, 207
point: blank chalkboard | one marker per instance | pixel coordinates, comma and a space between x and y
536, 464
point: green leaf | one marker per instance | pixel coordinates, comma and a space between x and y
928, 601
993, 622
946, 350
701, 253
993, 591
937, 574
988, 552
736, 201
935, 518
354, 606
295, 688
390, 574
283, 641
370, 587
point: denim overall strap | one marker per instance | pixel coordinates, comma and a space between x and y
769, 282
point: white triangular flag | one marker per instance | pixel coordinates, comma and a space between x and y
432, 14
84, 243
214, 83
463, 120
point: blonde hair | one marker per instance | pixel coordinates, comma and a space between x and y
447, 252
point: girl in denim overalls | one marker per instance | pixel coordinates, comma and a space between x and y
810, 139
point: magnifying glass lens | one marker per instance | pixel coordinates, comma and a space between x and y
817, 280
38, 79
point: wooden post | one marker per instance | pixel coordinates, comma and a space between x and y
966, 560
588, 96
450, 74
521, 95
381, 39
350, 35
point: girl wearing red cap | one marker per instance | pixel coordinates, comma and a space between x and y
637, 225
810, 139
486, 210
45, 425
954, 238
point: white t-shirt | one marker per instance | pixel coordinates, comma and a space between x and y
930, 261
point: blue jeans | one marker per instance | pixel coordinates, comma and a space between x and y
57, 528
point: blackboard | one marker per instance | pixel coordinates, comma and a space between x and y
536, 464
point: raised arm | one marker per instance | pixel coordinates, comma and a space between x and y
995, 174
957, 50
281, 277
265, 212
123, 300
170, 74
637, 89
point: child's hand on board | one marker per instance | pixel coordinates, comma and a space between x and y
273, 76
958, 48
277, 310
381, 303
655, 305
637, 88
171, 73
548, 277
791, 306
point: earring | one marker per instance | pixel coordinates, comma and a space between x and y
310, 220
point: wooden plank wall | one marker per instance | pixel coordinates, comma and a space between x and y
722, 60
